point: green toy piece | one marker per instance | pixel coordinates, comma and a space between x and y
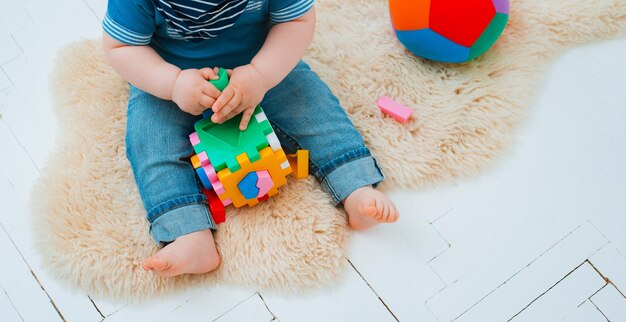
222, 81
224, 142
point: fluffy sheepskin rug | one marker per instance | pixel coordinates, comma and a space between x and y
91, 226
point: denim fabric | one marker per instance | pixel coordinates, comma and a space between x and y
304, 114
157, 146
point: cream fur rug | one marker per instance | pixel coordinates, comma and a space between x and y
91, 223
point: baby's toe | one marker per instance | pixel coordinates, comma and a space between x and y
394, 215
389, 211
161, 263
369, 208
146, 264
384, 212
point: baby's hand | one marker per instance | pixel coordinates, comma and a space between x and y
192, 92
243, 93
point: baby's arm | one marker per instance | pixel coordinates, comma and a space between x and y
283, 48
145, 69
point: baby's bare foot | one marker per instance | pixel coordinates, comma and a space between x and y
367, 207
194, 253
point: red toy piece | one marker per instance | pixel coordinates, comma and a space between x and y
215, 206
263, 198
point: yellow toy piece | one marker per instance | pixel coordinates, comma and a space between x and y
300, 163
270, 160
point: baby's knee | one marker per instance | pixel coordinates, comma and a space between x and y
135, 143
148, 144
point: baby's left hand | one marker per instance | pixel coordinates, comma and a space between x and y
244, 92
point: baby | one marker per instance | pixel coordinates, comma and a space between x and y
167, 50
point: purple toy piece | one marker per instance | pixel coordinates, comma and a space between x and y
502, 6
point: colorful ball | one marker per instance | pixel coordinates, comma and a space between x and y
451, 31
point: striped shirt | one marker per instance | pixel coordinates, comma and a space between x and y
200, 33
196, 19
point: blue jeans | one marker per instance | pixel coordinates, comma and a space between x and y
304, 114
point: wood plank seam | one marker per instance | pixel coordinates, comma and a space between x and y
520, 270
274, 318
554, 285
32, 273
11, 301
373, 290
597, 308
444, 239
235, 306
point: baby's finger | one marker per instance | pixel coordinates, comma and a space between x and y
210, 90
208, 73
206, 101
223, 98
226, 114
232, 107
232, 113
245, 118
229, 72
223, 118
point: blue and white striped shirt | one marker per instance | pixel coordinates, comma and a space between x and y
226, 43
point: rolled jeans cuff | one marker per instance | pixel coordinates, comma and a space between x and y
181, 221
354, 170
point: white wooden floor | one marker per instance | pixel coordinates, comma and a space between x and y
539, 237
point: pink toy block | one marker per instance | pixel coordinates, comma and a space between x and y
193, 137
226, 202
394, 109
218, 187
264, 183
210, 172
204, 159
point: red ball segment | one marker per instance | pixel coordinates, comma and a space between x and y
461, 21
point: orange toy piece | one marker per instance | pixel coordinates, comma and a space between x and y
215, 206
300, 163
270, 160
195, 161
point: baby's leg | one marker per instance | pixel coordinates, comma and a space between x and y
158, 147
305, 114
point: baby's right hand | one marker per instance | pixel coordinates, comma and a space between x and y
192, 92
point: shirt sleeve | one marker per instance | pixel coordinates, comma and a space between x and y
287, 10
130, 21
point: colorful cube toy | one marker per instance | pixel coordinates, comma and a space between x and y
239, 167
